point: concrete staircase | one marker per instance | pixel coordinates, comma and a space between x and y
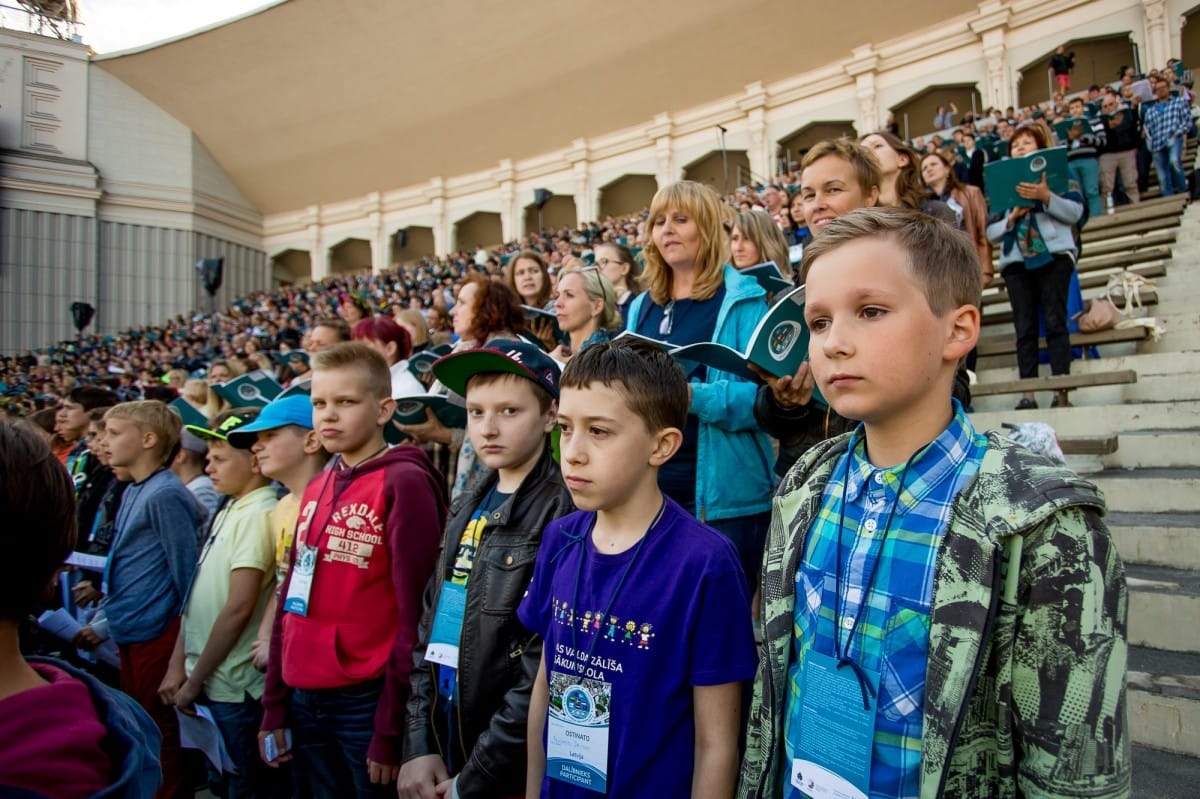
1152, 484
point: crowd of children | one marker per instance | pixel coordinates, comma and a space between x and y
939, 612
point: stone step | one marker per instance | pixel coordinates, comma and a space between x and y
1083, 421
1164, 775
1171, 540
1161, 376
1164, 606
1151, 490
1164, 700
1154, 449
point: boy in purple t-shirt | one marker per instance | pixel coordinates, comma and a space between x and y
643, 609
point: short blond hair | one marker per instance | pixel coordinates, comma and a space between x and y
866, 166
356, 355
151, 416
703, 205
940, 257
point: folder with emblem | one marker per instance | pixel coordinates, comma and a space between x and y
778, 345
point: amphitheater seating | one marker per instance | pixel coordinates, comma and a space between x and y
1132, 429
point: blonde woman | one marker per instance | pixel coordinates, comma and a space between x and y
586, 308
693, 295
754, 238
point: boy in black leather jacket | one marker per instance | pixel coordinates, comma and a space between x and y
474, 663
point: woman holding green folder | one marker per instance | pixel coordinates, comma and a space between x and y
1037, 259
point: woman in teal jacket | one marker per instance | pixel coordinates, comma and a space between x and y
722, 473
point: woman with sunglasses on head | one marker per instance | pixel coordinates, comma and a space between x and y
693, 295
617, 263
586, 309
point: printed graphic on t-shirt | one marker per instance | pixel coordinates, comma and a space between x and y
637, 634
468, 545
352, 534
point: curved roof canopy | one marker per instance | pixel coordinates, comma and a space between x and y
314, 101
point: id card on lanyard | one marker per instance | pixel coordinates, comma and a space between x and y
833, 756
577, 731
305, 567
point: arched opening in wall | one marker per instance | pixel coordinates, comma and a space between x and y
1098, 60
558, 213
793, 146
915, 114
480, 229
710, 169
350, 256
410, 244
291, 267
1190, 35
627, 194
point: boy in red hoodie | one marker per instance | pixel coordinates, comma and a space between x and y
366, 543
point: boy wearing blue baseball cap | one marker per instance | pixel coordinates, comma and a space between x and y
288, 451
466, 716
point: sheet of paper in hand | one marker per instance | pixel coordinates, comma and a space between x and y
1001, 177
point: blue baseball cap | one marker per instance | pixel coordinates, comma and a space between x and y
295, 409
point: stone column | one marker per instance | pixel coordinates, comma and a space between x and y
862, 66
991, 26
762, 152
318, 254
380, 243
664, 150
436, 195
1158, 43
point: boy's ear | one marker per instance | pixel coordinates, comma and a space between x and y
552, 416
149, 439
963, 334
666, 443
312, 444
387, 407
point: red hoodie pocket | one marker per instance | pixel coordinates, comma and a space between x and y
363, 647
321, 654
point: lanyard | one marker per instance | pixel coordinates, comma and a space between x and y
843, 653
331, 476
620, 582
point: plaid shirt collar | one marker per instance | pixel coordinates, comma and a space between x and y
927, 469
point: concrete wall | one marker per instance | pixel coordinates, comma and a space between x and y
46, 263
106, 199
627, 195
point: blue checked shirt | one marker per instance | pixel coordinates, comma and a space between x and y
892, 635
1163, 120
